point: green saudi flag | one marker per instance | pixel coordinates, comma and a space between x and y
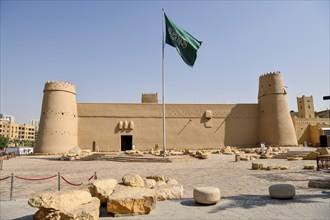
185, 44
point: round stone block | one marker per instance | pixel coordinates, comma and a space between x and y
206, 195
282, 191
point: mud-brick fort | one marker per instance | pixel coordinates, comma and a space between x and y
65, 124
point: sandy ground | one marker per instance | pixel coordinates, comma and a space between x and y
232, 178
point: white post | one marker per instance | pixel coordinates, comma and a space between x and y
163, 86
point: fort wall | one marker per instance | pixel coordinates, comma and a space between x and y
187, 125
310, 129
65, 124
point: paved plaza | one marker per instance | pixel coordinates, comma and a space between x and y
244, 192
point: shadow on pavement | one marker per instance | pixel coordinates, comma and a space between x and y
253, 201
28, 217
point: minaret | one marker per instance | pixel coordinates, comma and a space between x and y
59, 119
275, 123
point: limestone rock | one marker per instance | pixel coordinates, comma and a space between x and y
76, 151
248, 151
294, 158
235, 151
66, 204
172, 182
282, 191
266, 156
216, 152
202, 155
255, 157
311, 156
85, 153
101, 189
276, 149
227, 151
257, 166
206, 195
160, 183
156, 177
269, 168
176, 153
186, 152
323, 151
245, 158
309, 167
157, 152
168, 192
321, 183
134, 153
131, 201
133, 179
149, 183
284, 167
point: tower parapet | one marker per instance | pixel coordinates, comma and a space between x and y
58, 131
271, 83
149, 98
275, 123
60, 86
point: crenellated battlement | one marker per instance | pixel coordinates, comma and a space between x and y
60, 86
270, 74
149, 98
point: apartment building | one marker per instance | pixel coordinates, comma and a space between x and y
16, 131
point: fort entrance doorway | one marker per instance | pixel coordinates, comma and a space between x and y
126, 142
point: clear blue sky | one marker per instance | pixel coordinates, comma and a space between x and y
111, 51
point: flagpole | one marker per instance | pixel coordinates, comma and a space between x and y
163, 86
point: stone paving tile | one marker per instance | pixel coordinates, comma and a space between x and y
305, 206
244, 192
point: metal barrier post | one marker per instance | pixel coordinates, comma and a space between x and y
95, 177
59, 181
11, 186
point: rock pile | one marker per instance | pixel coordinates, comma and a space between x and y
261, 166
318, 152
134, 153
139, 196
134, 196
75, 154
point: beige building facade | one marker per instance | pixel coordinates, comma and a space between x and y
21, 132
65, 124
309, 126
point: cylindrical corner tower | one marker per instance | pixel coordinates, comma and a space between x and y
59, 119
275, 123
